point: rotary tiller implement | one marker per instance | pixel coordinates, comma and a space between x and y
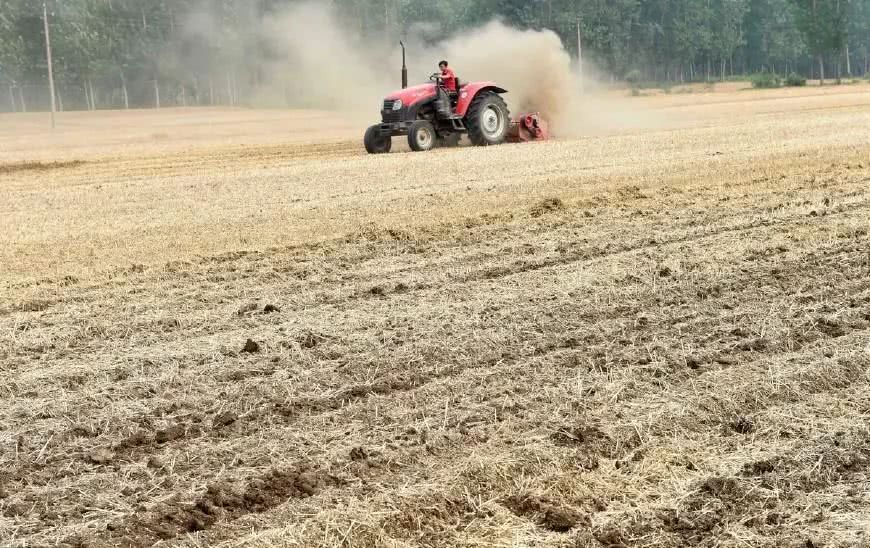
529, 127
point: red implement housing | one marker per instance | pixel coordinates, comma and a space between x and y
528, 127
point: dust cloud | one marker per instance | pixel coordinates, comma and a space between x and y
539, 75
532, 65
316, 62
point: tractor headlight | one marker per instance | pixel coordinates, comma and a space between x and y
397, 104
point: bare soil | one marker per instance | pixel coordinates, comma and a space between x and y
656, 337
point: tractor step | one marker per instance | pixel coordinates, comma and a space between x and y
457, 123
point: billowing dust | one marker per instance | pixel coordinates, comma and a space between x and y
319, 64
532, 65
316, 62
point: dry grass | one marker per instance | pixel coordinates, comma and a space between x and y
647, 337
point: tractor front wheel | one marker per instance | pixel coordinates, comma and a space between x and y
376, 143
421, 136
488, 120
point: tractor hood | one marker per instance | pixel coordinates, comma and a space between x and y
413, 94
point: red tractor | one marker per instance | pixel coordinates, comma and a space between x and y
430, 117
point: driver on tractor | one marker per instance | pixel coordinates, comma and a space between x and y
448, 77
447, 90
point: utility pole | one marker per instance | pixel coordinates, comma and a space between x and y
50, 67
848, 61
580, 55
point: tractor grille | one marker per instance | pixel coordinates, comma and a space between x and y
390, 115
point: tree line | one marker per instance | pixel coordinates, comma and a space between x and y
142, 52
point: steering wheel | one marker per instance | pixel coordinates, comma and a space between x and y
436, 77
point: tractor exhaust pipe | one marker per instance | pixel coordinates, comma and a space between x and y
404, 67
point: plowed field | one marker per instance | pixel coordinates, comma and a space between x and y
653, 334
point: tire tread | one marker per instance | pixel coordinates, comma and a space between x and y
472, 118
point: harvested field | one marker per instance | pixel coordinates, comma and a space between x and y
651, 334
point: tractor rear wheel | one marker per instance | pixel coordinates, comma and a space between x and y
488, 120
421, 136
376, 143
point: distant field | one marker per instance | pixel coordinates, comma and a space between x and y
234, 327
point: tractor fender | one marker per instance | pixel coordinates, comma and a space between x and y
470, 91
413, 112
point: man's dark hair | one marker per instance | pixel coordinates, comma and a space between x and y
443, 64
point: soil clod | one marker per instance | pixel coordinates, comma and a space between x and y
309, 339
247, 309
546, 513
251, 347
588, 437
759, 468
83, 431
611, 537
101, 456
224, 419
170, 323
743, 425
831, 328
221, 501
722, 488
548, 205
755, 345
170, 434
136, 439
562, 520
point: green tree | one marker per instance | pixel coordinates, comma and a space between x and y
726, 30
212, 50
823, 24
